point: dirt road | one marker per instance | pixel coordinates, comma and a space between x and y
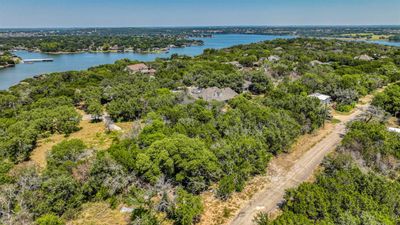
282, 177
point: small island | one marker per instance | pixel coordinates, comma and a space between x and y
8, 60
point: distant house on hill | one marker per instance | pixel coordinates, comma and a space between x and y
326, 99
212, 93
316, 63
235, 64
114, 48
246, 85
274, 58
364, 57
140, 68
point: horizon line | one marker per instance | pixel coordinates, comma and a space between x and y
206, 26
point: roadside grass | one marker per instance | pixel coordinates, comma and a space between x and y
335, 121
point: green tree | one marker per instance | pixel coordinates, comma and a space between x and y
65, 155
187, 208
183, 159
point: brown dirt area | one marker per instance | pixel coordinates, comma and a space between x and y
100, 213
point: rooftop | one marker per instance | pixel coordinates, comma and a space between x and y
320, 96
137, 67
364, 57
212, 93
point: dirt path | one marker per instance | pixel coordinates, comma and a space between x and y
282, 176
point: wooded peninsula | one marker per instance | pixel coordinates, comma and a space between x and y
91, 43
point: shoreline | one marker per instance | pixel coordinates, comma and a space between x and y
144, 52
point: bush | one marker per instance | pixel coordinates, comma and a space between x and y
226, 187
143, 216
183, 159
49, 219
66, 154
345, 108
187, 208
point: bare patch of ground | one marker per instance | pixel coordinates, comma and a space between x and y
100, 213
393, 122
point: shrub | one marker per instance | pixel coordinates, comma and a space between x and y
187, 208
49, 219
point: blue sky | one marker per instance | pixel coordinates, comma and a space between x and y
121, 13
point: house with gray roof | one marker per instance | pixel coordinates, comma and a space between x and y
364, 57
212, 93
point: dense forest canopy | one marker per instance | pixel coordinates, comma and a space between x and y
184, 145
389, 100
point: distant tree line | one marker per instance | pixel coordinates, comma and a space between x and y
78, 43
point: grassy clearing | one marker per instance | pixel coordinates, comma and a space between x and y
100, 213
92, 134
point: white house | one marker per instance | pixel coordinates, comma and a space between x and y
392, 129
323, 98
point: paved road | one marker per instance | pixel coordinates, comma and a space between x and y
271, 196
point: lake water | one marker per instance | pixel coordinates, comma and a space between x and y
389, 43
81, 61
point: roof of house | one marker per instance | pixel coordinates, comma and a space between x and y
212, 93
235, 63
320, 96
137, 67
274, 58
317, 62
247, 84
152, 71
364, 57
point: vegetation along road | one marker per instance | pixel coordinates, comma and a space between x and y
283, 177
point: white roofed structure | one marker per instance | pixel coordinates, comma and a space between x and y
323, 98
392, 129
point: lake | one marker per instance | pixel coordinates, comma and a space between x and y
389, 43
81, 61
